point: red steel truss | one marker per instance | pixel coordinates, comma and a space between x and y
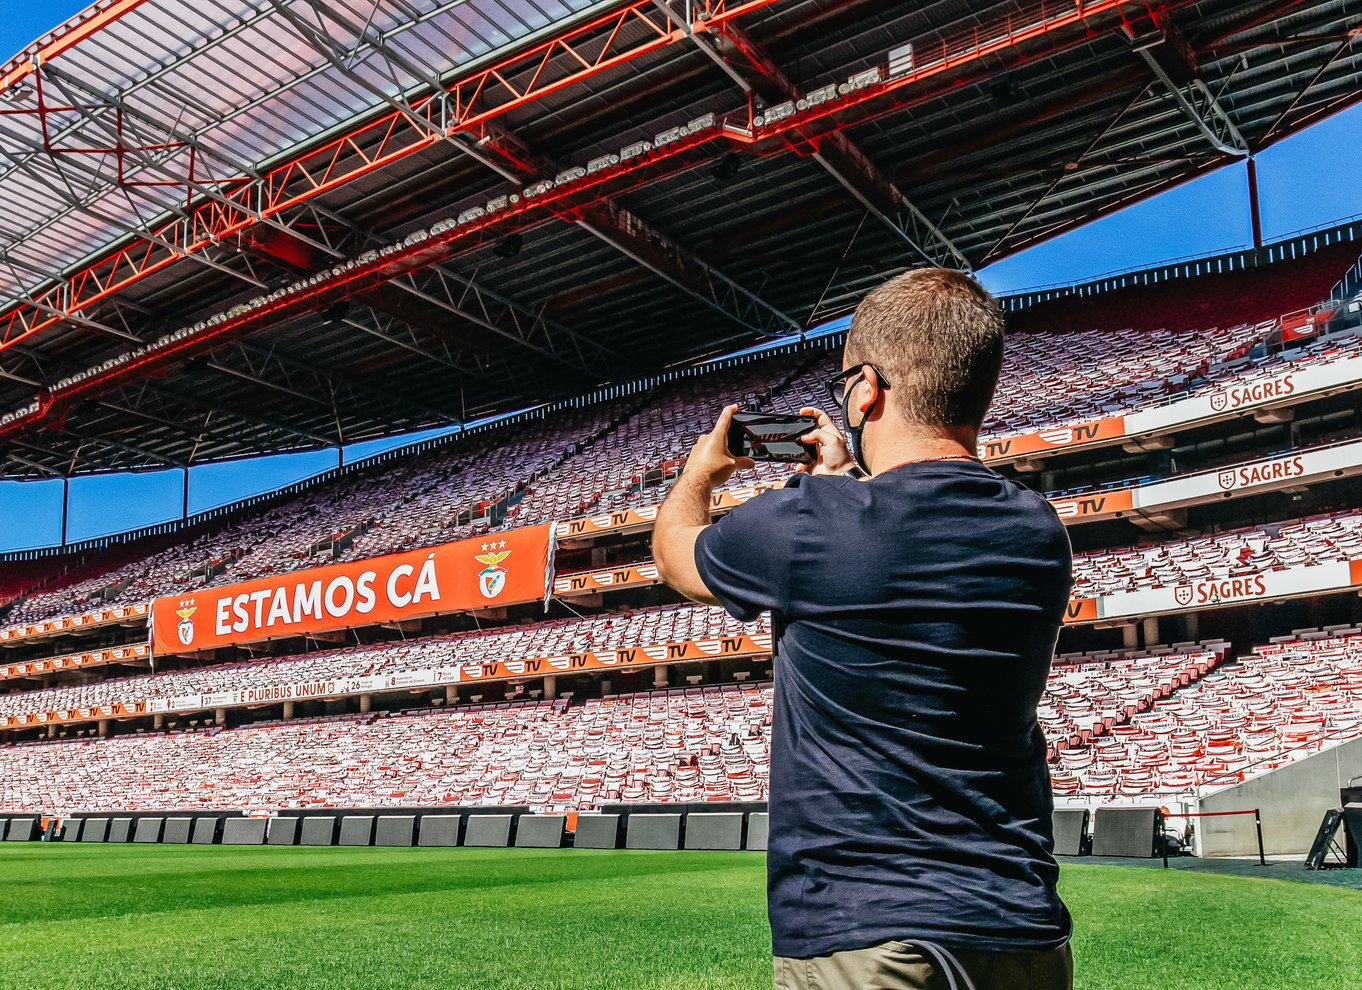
576, 55
64, 38
572, 57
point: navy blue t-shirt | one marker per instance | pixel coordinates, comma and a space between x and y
916, 616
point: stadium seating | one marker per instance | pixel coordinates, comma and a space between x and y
1277, 704
694, 744
1301, 543
1126, 724
623, 452
638, 627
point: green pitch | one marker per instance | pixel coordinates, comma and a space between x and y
97, 917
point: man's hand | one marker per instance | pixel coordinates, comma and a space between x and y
685, 513
832, 455
710, 464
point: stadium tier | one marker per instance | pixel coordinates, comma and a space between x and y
1140, 724
649, 630
693, 745
1278, 704
616, 455
1246, 554
1241, 564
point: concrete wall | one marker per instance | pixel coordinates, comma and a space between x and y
1292, 798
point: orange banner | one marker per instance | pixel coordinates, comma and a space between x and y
72, 660
101, 617
607, 578
1056, 438
644, 516
500, 569
722, 647
1095, 504
1081, 610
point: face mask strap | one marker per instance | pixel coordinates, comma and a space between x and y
854, 441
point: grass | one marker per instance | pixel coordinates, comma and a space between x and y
121, 917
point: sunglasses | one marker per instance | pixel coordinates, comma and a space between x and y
840, 383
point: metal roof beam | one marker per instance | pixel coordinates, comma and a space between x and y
482, 94
21, 459
1167, 50
94, 174
1343, 45
195, 431
646, 245
130, 448
196, 403
510, 326
836, 153
643, 244
261, 360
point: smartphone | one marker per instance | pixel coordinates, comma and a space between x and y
771, 437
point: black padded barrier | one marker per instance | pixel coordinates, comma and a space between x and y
356, 830
439, 830
1352, 821
395, 830
758, 830
176, 831
714, 830
597, 832
488, 831
120, 830
243, 832
22, 829
204, 831
283, 831
1126, 832
94, 830
147, 829
318, 830
653, 832
540, 831
1070, 829
4, 827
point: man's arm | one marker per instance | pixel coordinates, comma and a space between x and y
685, 513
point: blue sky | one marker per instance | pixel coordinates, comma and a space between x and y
1307, 181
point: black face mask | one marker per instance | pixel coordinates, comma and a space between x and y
854, 442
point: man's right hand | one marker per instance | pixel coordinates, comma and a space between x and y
832, 455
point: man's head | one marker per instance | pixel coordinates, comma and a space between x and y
937, 336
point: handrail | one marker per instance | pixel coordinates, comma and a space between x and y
1201, 792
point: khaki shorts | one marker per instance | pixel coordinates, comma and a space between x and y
896, 966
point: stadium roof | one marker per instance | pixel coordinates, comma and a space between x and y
247, 226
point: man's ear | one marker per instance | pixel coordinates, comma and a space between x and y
872, 380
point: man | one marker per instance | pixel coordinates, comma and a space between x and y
916, 596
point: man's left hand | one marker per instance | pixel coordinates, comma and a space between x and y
710, 464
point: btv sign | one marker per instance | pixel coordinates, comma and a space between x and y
511, 567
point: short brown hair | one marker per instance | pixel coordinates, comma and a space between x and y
938, 337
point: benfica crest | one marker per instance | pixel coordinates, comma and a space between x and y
492, 578
185, 629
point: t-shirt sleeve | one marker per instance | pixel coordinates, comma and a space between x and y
745, 557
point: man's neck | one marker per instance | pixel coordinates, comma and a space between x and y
906, 448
